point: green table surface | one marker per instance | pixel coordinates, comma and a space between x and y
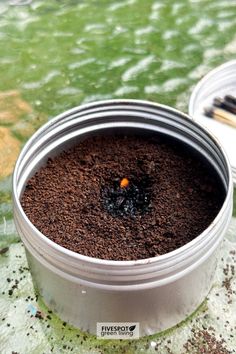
58, 54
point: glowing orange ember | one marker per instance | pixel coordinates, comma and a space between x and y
124, 183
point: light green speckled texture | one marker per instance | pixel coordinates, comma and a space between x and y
58, 54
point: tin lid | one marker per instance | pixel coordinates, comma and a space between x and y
217, 83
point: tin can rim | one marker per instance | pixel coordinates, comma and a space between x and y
174, 255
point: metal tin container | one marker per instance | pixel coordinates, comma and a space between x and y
157, 292
218, 82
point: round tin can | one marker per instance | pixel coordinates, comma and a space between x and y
157, 292
219, 82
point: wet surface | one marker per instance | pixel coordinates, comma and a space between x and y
58, 54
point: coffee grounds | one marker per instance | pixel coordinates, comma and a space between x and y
205, 342
70, 198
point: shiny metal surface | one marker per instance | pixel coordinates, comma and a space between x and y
217, 83
157, 292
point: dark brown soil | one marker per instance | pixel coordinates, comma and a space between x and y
76, 199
